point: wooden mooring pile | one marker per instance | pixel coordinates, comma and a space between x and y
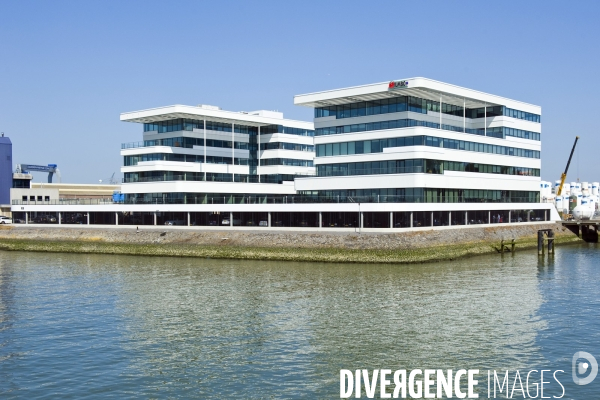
545, 236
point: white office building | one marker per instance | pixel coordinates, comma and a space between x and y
413, 153
421, 142
192, 155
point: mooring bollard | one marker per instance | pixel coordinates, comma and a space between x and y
551, 242
512, 246
502, 246
540, 243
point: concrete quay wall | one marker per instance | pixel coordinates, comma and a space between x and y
420, 238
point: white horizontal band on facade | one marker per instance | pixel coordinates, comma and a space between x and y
415, 181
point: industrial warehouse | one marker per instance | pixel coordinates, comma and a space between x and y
412, 153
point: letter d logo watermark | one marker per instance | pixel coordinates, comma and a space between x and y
582, 367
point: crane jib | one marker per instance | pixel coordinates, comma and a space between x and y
571, 156
564, 174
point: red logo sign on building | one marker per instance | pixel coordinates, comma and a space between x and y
398, 84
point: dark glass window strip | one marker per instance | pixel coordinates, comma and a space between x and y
286, 161
509, 112
393, 124
167, 176
134, 160
181, 124
189, 142
271, 129
387, 195
278, 178
519, 133
416, 104
497, 132
418, 166
377, 146
286, 146
425, 195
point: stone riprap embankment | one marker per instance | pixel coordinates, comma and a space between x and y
401, 246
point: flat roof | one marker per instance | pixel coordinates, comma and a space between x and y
191, 112
419, 87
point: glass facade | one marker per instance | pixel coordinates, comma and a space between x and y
418, 166
186, 142
427, 195
133, 160
377, 146
497, 132
270, 129
181, 124
278, 178
166, 176
286, 161
509, 112
286, 146
402, 195
521, 133
419, 105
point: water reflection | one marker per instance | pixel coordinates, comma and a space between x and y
211, 328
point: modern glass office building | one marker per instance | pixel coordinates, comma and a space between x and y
402, 154
422, 141
192, 155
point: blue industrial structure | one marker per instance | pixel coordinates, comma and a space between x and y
5, 169
51, 169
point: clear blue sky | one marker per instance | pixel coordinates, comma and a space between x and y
68, 69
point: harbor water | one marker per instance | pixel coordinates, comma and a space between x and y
97, 326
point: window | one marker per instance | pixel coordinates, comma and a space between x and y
270, 129
286, 161
497, 132
286, 146
377, 146
418, 166
415, 104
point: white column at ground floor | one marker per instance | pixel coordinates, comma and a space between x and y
362, 220
26, 218
155, 218
411, 219
391, 219
189, 219
116, 218
432, 218
489, 217
268, 217
59, 218
320, 219
88, 218
449, 218
230, 219
466, 218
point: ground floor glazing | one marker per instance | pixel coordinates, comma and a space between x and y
393, 219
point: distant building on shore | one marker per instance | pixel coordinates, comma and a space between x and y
5, 173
